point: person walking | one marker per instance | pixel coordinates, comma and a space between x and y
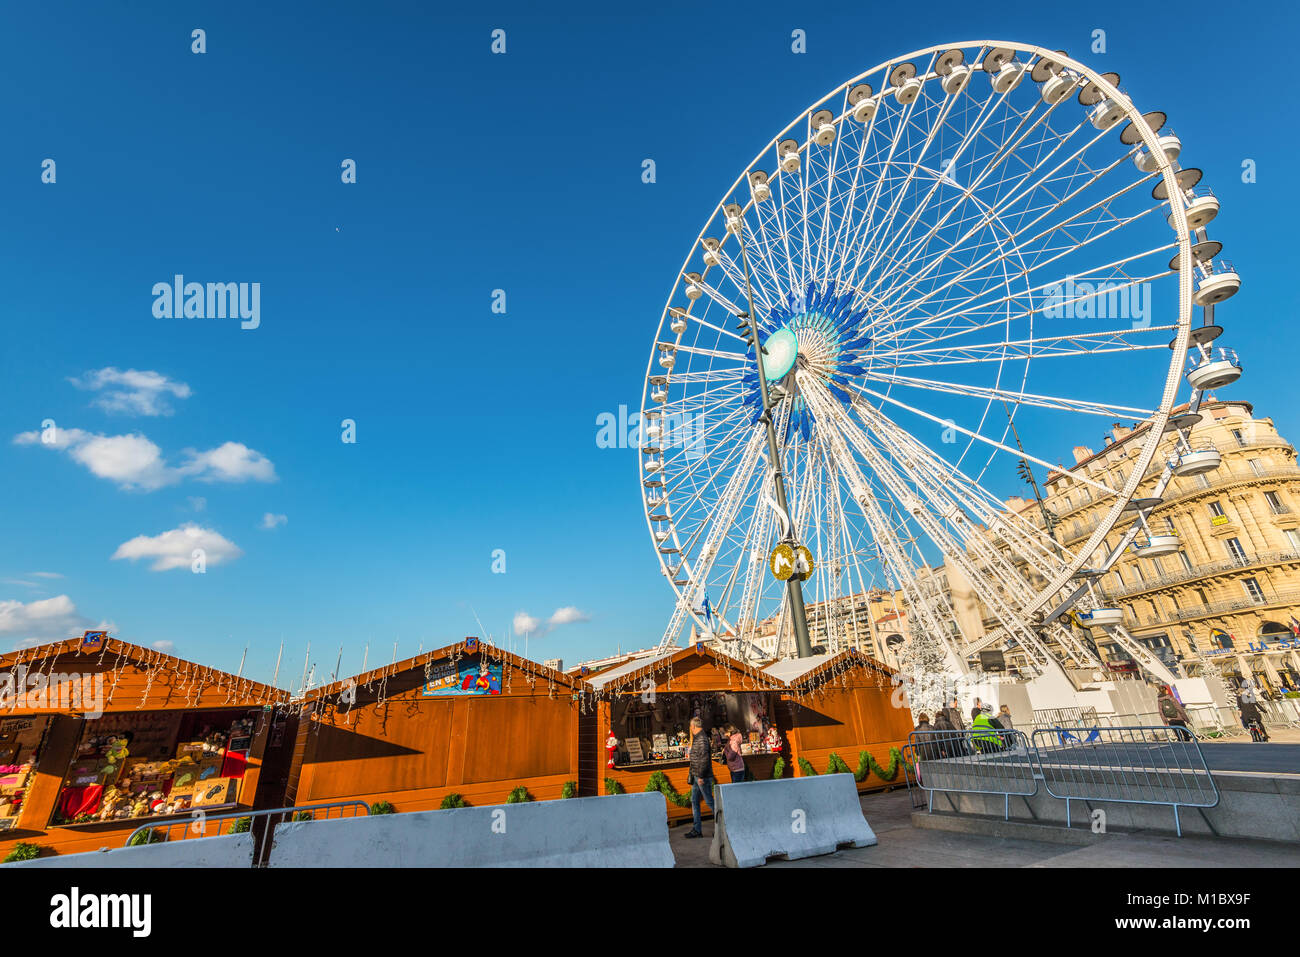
701, 774
1252, 718
731, 752
1172, 711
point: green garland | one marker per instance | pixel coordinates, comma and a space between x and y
837, 766
241, 825
778, 769
23, 852
451, 801
569, 790
519, 795
659, 782
382, 807
806, 767
613, 787
867, 764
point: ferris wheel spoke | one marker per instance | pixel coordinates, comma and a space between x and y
1017, 241
1046, 347
1104, 409
970, 135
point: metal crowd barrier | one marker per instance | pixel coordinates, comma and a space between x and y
260, 823
1147, 765
974, 762
1153, 765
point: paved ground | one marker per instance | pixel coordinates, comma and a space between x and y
902, 845
1272, 757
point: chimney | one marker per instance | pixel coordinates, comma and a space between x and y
1082, 452
1119, 431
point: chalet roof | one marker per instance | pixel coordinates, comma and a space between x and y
115, 651
463, 647
631, 670
802, 671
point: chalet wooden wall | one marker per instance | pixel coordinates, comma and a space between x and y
412, 750
848, 714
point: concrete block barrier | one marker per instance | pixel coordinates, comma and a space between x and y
230, 850
626, 830
788, 817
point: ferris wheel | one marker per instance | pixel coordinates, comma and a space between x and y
967, 258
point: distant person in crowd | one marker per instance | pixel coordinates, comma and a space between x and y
949, 746
1172, 711
985, 730
1004, 717
1252, 718
975, 712
732, 753
954, 716
925, 747
701, 776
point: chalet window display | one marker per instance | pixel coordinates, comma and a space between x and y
21, 741
655, 729
153, 763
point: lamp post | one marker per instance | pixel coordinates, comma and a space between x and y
793, 584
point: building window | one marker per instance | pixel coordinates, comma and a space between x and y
1202, 481
1253, 590
1255, 467
1241, 439
1234, 549
1293, 539
1274, 503
1119, 577
1215, 507
1187, 562
1137, 571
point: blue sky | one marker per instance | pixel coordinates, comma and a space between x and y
475, 431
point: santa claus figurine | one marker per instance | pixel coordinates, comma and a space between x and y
611, 744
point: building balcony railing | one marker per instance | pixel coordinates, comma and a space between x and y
1200, 571
1221, 479
1291, 597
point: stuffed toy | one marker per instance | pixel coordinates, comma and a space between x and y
611, 743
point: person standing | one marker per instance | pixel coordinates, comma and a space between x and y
984, 731
954, 716
701, 774
1004, 717
732, 753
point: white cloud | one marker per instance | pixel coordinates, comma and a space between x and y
270, 520
46, 575
134, 462
198, 502
163, 645
175, 548
525, 623
132, 392
229, 462
36, 622
567, 615
19, 581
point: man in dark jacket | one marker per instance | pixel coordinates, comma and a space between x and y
701, 774
954, 715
